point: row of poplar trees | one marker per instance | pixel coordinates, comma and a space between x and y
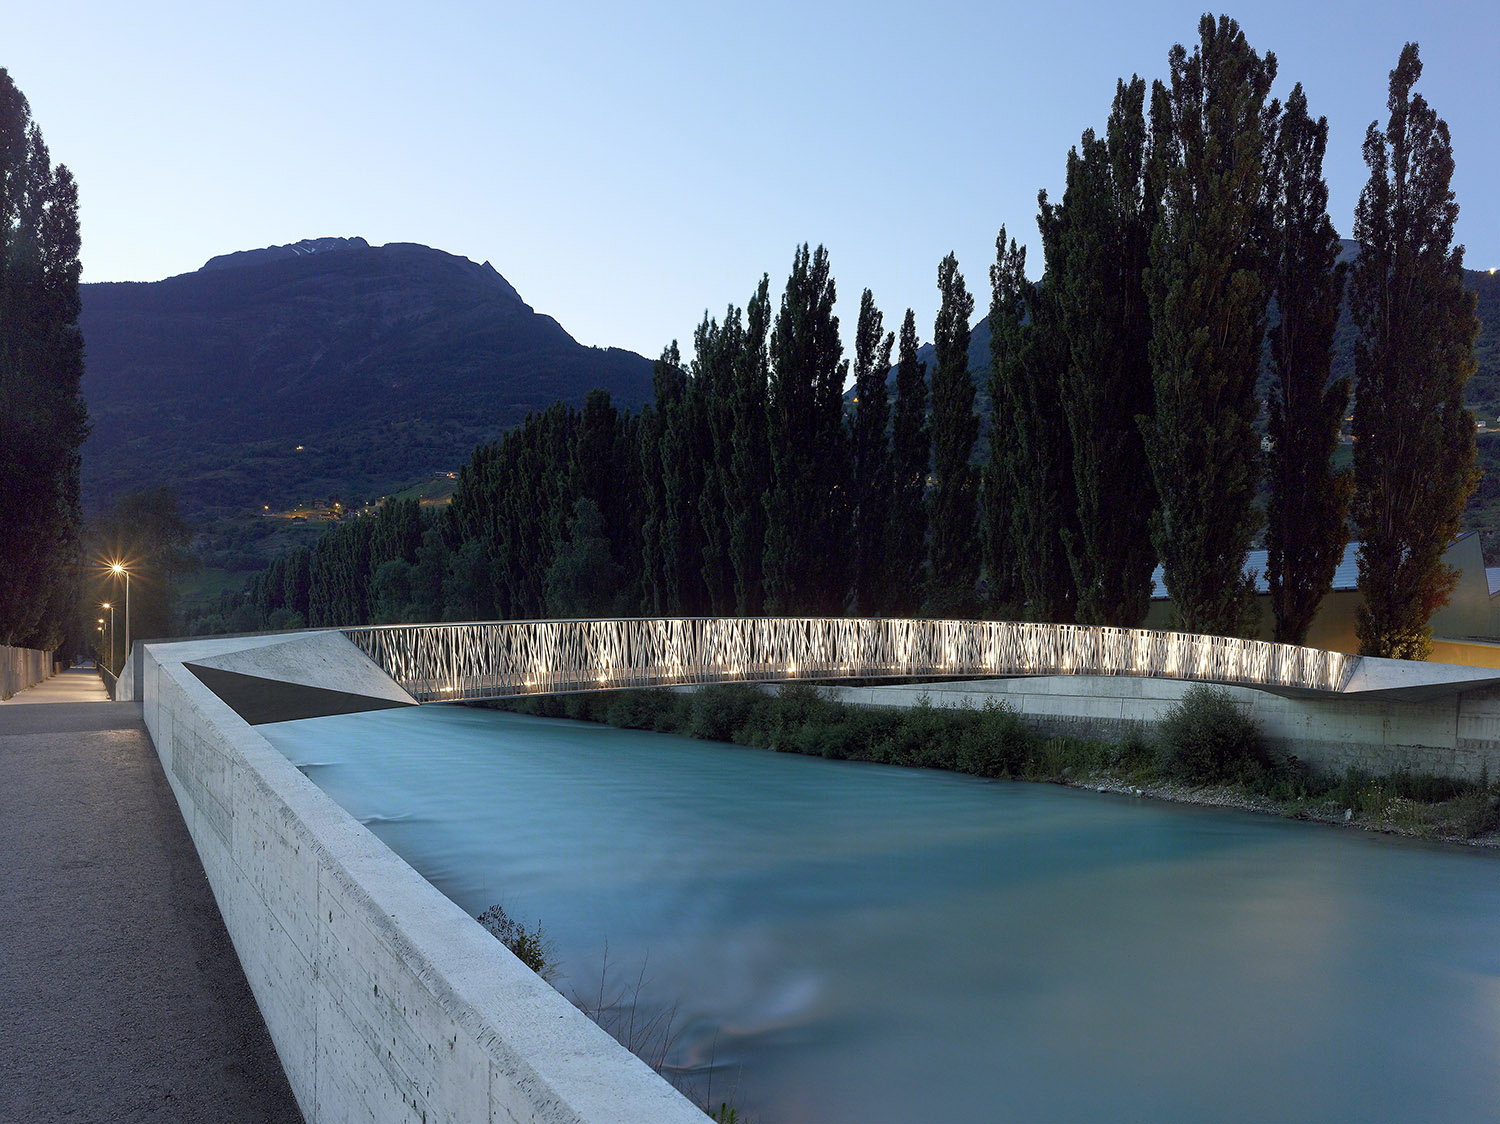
1190, 236
1123, 414
42, 417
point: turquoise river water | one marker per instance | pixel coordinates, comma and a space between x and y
857, 943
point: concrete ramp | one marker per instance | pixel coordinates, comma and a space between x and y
1416, 680
306, 675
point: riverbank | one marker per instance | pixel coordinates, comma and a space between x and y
1398, 815
1206, 765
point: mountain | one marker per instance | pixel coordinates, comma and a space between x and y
326, 367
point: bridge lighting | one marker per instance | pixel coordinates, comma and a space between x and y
505, 658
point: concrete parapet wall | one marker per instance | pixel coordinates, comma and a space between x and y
21, 668
1456, 735
385, 1001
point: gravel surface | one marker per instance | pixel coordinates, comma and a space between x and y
121, 998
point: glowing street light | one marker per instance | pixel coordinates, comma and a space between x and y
118, 568
110, 606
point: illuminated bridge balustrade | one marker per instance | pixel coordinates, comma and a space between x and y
497, 659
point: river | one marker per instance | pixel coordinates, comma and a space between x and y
856, 943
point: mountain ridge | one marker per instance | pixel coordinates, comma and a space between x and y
211, 380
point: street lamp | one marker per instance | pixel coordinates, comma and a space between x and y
117, 569
110, 606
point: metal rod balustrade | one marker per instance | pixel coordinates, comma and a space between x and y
496, 659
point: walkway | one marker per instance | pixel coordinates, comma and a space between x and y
121, 998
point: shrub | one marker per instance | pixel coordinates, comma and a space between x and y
1207, 738
532, 949
719, 712
1135, 755
994, 742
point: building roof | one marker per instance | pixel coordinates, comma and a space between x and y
1345, 577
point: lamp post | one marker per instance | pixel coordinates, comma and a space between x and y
110, 606
117, 569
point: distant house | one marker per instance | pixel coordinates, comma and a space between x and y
1465, 631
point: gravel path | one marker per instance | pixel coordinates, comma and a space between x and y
121, 998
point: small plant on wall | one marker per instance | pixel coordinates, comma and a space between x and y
531, 948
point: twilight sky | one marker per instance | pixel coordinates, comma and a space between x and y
628, 166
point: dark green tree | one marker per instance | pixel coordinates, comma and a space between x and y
1096, 242
397, 533
659, 568
872, 458
1207, 296
1414, 440
469, 525
808, 505
953, 558
686, 452
427, 574
42, 417
605, 469
339, 575
294, 588
911, 460
583, 576
750, 459
1305, 516
390, 592
535, 501
1030, 493
717, 349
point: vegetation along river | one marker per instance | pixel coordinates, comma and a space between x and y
859, 943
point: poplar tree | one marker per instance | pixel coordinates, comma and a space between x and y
872, 458
1096, 242
807, 507
716, 357
659, 574
911, 459
1207, 297
1414, 440
604, 475
750, 459
686, 451
42, 417
953, 559
1306, 530
536, 502
1030, 449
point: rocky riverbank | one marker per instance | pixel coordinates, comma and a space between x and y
1447, 821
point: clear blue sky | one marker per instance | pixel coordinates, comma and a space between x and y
628, 166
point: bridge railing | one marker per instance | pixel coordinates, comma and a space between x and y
496, 659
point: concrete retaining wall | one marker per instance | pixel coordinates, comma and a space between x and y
385, 1001
1457, 735
21, 668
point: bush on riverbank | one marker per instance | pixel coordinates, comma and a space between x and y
1206, 741
991, 741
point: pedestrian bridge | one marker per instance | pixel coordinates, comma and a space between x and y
452, 662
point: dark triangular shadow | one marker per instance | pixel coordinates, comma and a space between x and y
258, 700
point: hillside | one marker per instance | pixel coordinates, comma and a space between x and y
382, 363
